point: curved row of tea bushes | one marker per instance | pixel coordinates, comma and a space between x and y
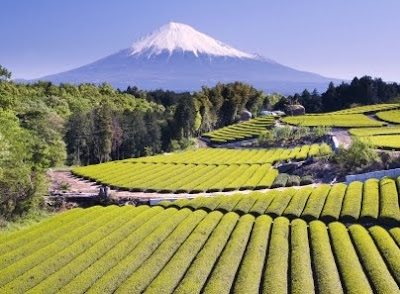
179, 250
366, 202
230, 156
392, 116
146, 225
241, 131
366, 132
182, 178
333, 120
388, 142
367, 109
199, 171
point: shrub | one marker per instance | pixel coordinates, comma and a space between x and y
352, 202
325, 149
297, 203
31, 275
395, 233
370, 201
276, 277
388, 248
315, 203
301, 272
140, 252
293, 181
354, 279
264, 200
306, 180
334, 202
321, 131
280, 181
245, 204
222, 276
280, 202
200, 269
389, 201
358, 154
192, 230
250, 272
326, 273
54, 282
372, 261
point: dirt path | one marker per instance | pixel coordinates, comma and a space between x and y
79, 186
342, 136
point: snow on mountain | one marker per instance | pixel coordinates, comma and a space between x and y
176, 36
177, 57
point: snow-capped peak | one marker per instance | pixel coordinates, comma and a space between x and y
177, 36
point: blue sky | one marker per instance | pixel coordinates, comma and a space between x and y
336, 38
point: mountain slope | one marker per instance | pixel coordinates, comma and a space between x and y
177, 57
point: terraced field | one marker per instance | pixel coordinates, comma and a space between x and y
373, 200
389, 142
333, 120
392, 116
204, 170
363, 132
157, 250
241, 131
367, 109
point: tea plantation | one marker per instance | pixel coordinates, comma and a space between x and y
226, 244
204, 170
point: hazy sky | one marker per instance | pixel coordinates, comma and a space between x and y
336, 38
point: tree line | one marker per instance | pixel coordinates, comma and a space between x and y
360, 91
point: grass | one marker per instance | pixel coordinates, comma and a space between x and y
26, 221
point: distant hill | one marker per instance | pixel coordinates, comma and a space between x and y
177, 57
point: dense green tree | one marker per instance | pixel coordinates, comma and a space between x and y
4, 73
184, 118
102, 139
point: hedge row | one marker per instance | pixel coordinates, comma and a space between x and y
197, 274
18, 268
26, 275
204, 170
224, 156
367, 108
157, 250
333, 120
132, 261
194, 178
168, 279
152, 266
145, 224
373, 200
372, 261
392, 116
223, 274
241, 131
251, 270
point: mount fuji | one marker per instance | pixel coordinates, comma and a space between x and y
177, 57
